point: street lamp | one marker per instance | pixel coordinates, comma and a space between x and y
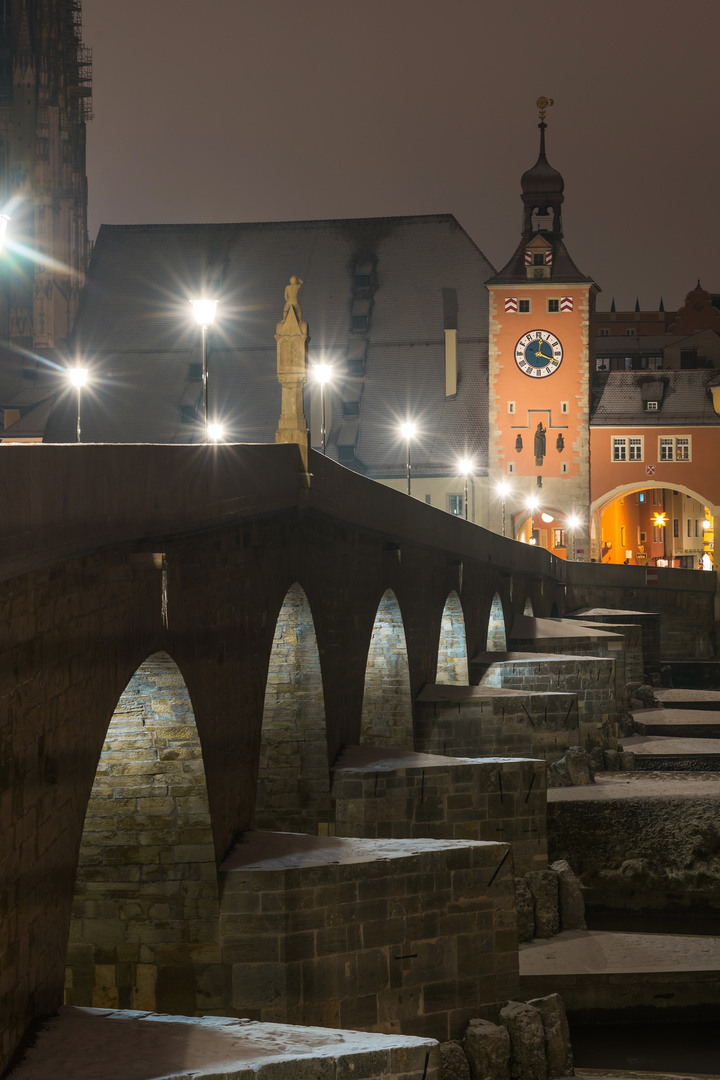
204, 312
322, 373
466, 467
573, 523
532, 504
503, 490
408, 430
78, 377
215, 432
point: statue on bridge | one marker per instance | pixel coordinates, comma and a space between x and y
291, 336
291, 298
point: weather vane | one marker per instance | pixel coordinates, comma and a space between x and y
544, 103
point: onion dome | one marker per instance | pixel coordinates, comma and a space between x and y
542, 181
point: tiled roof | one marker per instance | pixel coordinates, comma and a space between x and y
143, 348
617, 398
564, 270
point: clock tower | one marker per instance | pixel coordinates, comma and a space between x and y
540, 356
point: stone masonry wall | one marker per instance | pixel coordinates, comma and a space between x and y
591, 679
410, 944
294, 778
452, 665
533, 725
612, 649
472, 800
387, 705
144, 928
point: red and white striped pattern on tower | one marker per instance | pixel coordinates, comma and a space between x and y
511, 303
528, 256
548, 258
566, 303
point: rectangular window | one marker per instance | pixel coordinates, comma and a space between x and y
359, 323
635, 449
667, 447
564, 406
696, 527
559, 538
564, 468
630, 333
654, 497
676, 527
651, 406
428, 500
455, 505
553, 305
643, 538
622, 536
538, 259
619, 450
682, 449
511, 467
362, 281
656, 535
524, 305
604, 332
511, 406
688, 526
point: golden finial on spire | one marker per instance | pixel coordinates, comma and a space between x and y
544, 103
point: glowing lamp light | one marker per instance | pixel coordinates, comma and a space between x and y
660, 520
78, 377
503, 488
322, 373
215, 432
532, 540
547, 518
408, 429
465, 466
573, 521
4, 221
204, 311
706, 523
532, 504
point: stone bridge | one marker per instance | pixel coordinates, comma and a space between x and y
223, 558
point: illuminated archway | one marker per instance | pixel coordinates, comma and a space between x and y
528, 609
145, 917
549, 529
452, 666
496, 637
654, 523
294, 778
387, 708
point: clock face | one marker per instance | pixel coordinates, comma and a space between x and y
538, 354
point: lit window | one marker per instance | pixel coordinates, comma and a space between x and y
524, 305
619, 450
559, 538
682, 449
553, 305
455, 504
675, 449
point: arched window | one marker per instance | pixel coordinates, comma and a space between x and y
294, 777
145, 907
496, 638
387, 708
452, 666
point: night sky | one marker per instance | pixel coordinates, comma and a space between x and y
253, 110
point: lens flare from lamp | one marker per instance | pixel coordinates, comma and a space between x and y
706, 524
532, 504
465, 466
204, 311
322, 373
659, 521
573, 521
215, 432
78, 376
408, 429
503, 488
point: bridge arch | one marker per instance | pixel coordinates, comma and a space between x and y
146, 898
452, 664
387, 706
496, 635
293, 793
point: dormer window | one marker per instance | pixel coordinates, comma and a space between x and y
652, 406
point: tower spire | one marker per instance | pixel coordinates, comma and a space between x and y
542, 188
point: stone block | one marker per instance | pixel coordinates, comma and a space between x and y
525, 910
627, 761
544, 888
570, 897
487, 1048
527, 1041
455, 1065
558, 1048
612, 760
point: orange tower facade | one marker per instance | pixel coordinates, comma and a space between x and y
540, 360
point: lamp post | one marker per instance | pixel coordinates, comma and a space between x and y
78, 377
215, 432
408, 430
503, 490
322, 373
466, 467
573, 523
532, 507
204, 312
